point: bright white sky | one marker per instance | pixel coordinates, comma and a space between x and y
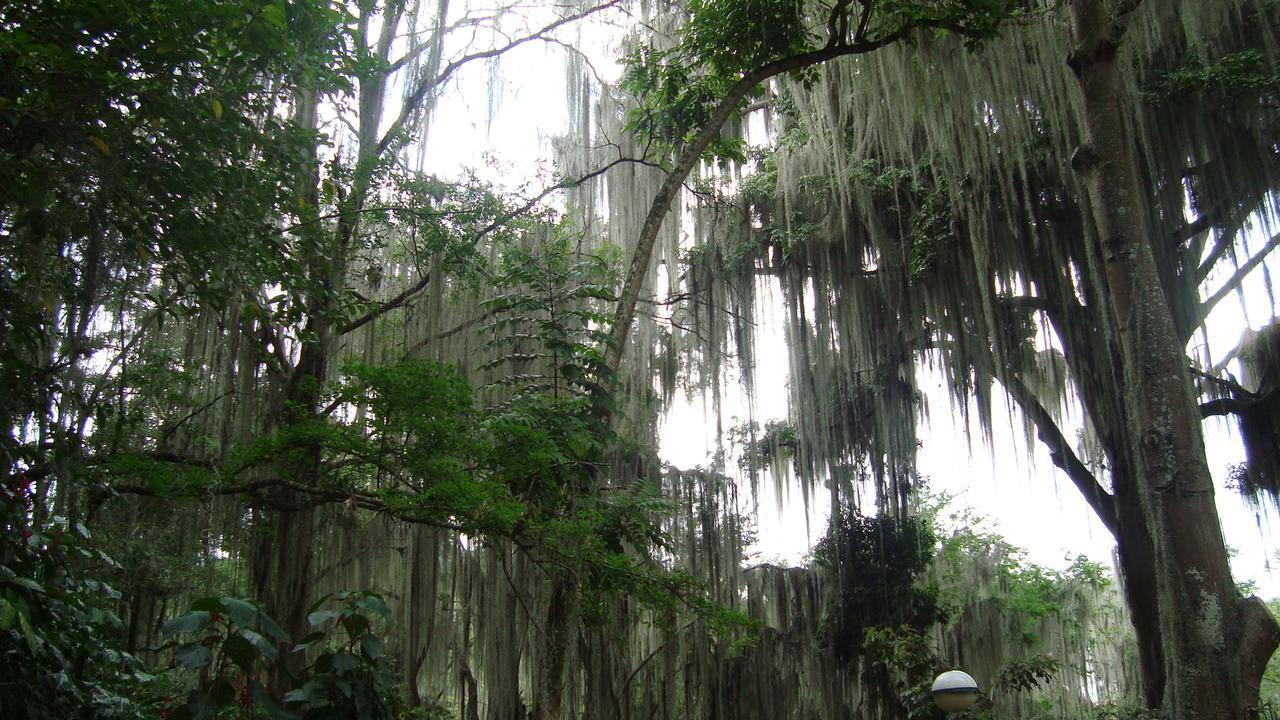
1026, 498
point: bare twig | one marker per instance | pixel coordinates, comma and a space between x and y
426, 87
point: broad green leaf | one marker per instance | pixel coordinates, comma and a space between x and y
321, 617
241, 612
210, 605
34, 641
356, 625
374, 604
275, 14
27, 583
295, 696
221, 693
240, 650
191, 622
308, 640
264, 646
8, 615
371, 645
271, 628
192, 655
200, 706
345, 662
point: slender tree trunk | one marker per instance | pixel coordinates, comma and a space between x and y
1215, 643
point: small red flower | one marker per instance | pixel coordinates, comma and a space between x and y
26, 535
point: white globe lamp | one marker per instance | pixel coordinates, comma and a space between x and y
954, 690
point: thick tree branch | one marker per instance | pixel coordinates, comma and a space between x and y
692, 153
1224, 406
1060, 452
400, 299
1226, 238
1236, 278
1229, 386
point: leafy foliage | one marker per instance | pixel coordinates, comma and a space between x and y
57, 628
1242, 76
876, 562
1032, 591
232, 644
722, 41
1023, 675
138, 142
776, 442
730, 36
549, 330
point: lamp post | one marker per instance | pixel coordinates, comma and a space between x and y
954, 690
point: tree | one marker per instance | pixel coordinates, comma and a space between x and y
237, 308
140, 150
1213, 667
205, 343
764, 46
982, 317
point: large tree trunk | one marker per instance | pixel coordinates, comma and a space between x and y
1136, 558
561, 628
284, 571
1215, 643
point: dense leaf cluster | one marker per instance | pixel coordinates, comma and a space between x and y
876, 562
58, 628
132, 133
233, 645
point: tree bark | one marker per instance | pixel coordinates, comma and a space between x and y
562, 614
284, 559
1212, 638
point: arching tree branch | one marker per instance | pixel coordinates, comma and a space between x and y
1060, 452
1237, 277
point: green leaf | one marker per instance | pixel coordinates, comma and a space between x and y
241, 612
264, 646
268, 703
200, 706
27, 583
208, 604
241, 651
192, 656
271, 628
34, 641
356, 625
321, 617
275, 14
308, 640
191, 622
221, 693
345, 662
371, 645
374, 604
295, 696
8, 615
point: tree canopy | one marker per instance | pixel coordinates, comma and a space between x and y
295, 425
